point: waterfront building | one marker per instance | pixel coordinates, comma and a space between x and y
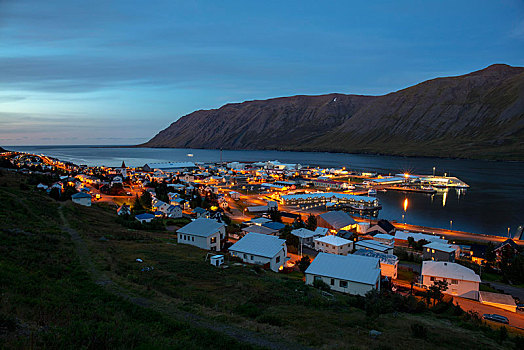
333, 197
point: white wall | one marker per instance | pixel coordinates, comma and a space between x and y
389, 270
352, 287
454, 289
332, 249
261, 260
203, 242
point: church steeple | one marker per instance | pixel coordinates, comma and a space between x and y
123, 165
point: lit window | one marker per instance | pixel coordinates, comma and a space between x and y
454, 282
433, 250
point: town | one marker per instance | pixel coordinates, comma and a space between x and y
292, 218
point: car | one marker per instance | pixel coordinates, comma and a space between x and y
520, 307
496, 318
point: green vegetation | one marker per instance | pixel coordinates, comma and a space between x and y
50, 298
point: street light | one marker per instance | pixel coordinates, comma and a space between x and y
451, 225
508, 232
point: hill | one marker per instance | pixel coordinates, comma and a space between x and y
477, 115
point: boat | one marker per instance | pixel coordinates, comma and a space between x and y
372, 192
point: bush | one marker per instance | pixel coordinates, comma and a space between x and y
321, 285
270, 319
249, 310
419, 331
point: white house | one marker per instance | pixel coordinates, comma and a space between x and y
333, 245
261, 249
461, 280
388, 262
146, 217
351, 274
82, 199
203, 233
304, 235
371, 244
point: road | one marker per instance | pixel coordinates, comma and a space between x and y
516, 319
515, 292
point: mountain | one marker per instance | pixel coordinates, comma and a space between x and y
2, 150
477, 115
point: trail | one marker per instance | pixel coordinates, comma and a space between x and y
240, 334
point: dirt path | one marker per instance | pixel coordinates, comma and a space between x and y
240, 334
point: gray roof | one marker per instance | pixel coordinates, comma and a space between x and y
354, 268
81, 195
450, 270
441, 247
259, 229
338, 219
259, 244
374, 245
201, 227
389, 259
303, 233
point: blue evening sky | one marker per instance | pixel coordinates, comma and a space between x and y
117, 72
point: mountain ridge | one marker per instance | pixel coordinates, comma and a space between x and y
476, 115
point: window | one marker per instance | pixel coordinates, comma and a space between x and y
433, 251
213, 240
332, 281
277, 259
317, 278
193, 239
251, 257
427, 250
454, 282
432, 279
343, 284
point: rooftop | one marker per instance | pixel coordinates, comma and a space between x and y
448, 270
333, 240
201, 227
361, 269
259, 244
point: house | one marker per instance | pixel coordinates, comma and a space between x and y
258, 221
143, 218
201, 212
439, 252
384, 238
274, 225
203, 233
382, 226
305, 236
370, 244
401, 237
333, 245
260, 229
173, 211
461, 280
336, 221
388, 262
217, 260
507, 244
41, 186
82, 199
351, 274
321, 231
261, 249
124, 209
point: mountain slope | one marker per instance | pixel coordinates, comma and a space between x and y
478, 115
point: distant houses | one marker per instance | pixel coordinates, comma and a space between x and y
333, 245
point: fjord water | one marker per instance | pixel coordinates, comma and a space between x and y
494, 203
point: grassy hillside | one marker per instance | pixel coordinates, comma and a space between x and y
50, 298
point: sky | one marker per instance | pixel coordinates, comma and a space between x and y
117, 72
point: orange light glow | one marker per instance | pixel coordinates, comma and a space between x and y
406, 203
406, 175
281, 267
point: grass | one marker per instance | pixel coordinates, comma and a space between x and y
49, 301
49, 295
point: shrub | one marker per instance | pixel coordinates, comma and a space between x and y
419, 331
270, 319
321, 285
249, 310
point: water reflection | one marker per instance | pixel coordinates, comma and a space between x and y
444, 198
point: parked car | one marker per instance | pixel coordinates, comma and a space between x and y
520, 307
496, 318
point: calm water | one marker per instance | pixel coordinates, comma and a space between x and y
494, 202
